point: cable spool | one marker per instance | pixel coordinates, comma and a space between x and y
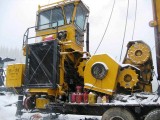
139, 53
128, 78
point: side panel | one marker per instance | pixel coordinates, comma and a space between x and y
108, 84
15, 74
71, 39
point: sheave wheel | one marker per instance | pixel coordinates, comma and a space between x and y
153, 115
117, 114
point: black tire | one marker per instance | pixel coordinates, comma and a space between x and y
153, 115
117, 114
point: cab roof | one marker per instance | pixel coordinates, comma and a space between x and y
59, 4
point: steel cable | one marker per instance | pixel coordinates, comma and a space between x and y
134, 20
124, 35
106, 27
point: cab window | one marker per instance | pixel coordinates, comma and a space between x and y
57, 17
50, 18
44, 18
80, 17
68, 9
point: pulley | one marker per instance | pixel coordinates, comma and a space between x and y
128, 78
139, 53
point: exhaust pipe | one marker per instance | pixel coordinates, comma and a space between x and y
87, 38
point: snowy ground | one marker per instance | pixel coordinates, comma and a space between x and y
8, 107
8, 110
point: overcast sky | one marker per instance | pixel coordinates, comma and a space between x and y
18, 15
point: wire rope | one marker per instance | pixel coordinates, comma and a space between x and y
135, 18
106, 27
124, 35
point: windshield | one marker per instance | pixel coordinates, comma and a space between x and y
44, 18
80, 17
51, 18
68, 9
57, 16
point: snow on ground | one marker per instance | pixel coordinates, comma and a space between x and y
29, 116
8, 107
8, 110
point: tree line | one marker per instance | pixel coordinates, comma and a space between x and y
14, 53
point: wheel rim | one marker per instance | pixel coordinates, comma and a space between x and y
116, 118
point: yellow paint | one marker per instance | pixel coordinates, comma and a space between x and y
41, 103
49, 91
59, 3
157, 2
67, 45
81, 67
74, 12
61, 77
109, 83
156, 14
145, 87
128, 78
148, 88
70, 36
139, 53
146, 72
15, 75
71, 29
43, 90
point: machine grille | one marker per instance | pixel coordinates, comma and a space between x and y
42, 62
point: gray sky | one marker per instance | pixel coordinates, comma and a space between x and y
18, 15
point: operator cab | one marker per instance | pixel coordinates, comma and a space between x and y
67, 17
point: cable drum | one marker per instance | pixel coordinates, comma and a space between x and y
139, 53
99, 70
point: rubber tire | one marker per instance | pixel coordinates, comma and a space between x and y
153, 115
117, 112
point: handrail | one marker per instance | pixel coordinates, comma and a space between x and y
26, 34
